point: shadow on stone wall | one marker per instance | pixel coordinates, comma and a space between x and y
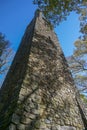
45, 106
37, 89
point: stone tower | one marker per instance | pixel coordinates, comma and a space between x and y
38, 92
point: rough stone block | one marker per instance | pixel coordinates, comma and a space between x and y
66, 128
15, 119
12, 127
21, 127
25, 120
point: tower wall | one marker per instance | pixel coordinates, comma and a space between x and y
39, 92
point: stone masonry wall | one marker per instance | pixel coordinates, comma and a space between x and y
9, 92
39, 92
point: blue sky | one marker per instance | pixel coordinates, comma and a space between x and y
15, 15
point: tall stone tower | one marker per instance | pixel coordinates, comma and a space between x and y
38, 92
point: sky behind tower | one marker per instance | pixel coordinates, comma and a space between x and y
16, 15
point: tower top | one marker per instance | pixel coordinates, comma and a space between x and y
38, 13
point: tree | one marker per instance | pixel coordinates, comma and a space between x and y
57, 10
83, 20
5, 54
84, 99
78, 65
78, 61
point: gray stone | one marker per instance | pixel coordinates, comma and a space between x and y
21, 97
23, 92
47, 121
31, 116
34, 111
45, 129
25, 120
12, 127
42, 126
65, 128
27, 109
21, 127
54, 128
15, 119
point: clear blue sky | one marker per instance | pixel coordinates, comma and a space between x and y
15, 15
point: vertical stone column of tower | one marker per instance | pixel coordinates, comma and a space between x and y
39, 92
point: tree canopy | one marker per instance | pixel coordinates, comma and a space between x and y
78, 61
78, 65
57, 10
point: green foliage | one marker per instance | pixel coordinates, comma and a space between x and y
84, 98
78, 61
81, 48
83, 18
78, 65
56, 10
